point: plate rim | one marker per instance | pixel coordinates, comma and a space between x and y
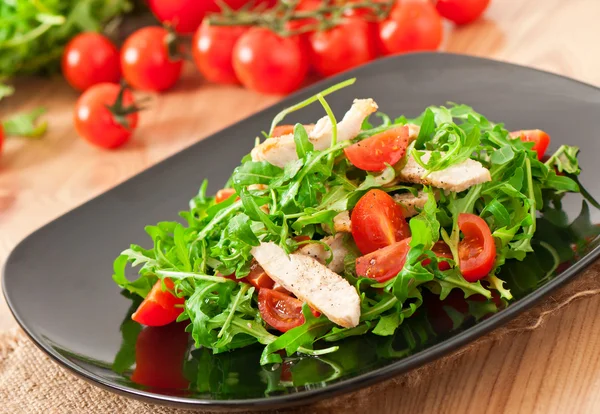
345, 386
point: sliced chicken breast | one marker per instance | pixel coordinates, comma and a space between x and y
455, 178
281, 150
412, 205
311, 282
342, 223
339, 249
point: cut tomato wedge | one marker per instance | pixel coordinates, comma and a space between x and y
377, 221
385, 263
440, 249
373, 153
160, 306
279, 310
540, 139
224, 194
477, 250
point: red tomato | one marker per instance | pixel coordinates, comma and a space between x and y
145, 60
411, 26
1, 137
186, 15
279, 310
89, 59
461, 11
385, 263
212, 49
258, 277
377, 221
159, 356
440, 249
100, 125
160, 306
280, 130
343, 47
305, 6
373, 153
268, 63
224, 194
477, 251
539, 137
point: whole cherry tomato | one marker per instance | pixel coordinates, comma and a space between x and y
377, 222
349, 44
146, 61
477, 250
411, 26
268, 63
160, 307
373, 153
89, 59
212, 49
540, 139
462, 11
105, 115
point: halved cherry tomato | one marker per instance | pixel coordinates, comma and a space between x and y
411, 26
540, 138
279, 310
258, 277
477, 250
224, 194
440, 249
212, 49
461, 11
159, 355
385, 263
160, 306
347, 45
377, 221
373, 153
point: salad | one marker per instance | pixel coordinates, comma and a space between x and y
337, 228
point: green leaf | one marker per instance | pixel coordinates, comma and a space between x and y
141, 286
181, 248
253, 172
503, 155
25, 124
388, 324
303, 145
427, 129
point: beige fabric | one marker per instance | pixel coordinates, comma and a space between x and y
30, 383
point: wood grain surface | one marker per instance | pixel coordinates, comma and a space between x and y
554, 369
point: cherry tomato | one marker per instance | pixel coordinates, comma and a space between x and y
145, 60
268, 63
185, 16
279, 310
159, 356
224, 194
377, 221
212, 49
99, 125
342, 47
159, 307
411, 26
280, 130
539, 137
373, 153
89, 59
385, 263
305, 6
477, 250
461, 11
258, 277
440, 249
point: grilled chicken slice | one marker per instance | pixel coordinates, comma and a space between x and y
281, 150
311, 282
455, 178
412, 205
338, 247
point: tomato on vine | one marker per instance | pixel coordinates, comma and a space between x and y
462, 11
89, 59
149, 61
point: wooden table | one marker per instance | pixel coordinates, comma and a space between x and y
555, 368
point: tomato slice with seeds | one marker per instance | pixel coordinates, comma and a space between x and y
160, 306
279, 310
377, 221
385, 263
540, 139
477, 250
373, 153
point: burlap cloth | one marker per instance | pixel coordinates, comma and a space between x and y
31, 383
